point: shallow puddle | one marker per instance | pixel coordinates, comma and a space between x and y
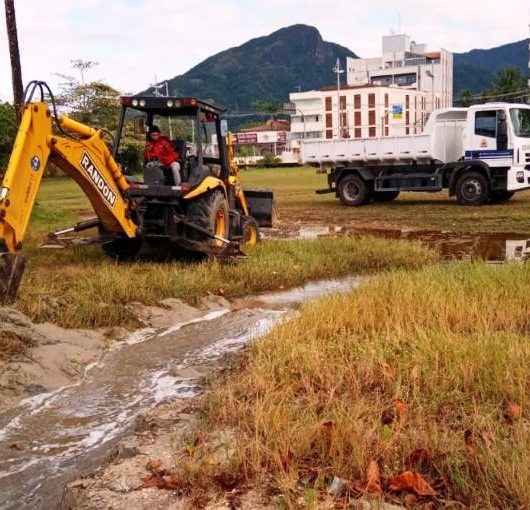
494, 247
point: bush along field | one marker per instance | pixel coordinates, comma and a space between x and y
413, 388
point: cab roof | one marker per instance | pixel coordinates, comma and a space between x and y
169, 105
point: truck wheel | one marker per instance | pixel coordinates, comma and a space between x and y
499, 197
210, 212
122, 249
250, 232
385, 196
472, 188
353, 191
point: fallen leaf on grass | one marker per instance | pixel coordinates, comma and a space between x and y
154, 465
169, 483
512, 411
411, 482
401, 409
373, 477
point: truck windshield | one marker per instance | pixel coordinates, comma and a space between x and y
521, 122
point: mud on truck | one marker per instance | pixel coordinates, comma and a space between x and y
480, 154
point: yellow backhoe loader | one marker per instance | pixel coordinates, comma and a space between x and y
207, 212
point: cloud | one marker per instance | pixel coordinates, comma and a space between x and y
134, 40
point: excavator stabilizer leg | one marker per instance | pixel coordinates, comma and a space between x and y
12, 267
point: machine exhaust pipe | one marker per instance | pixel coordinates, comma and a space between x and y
12, 267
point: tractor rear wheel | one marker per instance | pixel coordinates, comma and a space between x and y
210, 212
250, 232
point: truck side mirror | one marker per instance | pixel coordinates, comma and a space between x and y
502, 131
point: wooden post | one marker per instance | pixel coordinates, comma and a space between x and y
16, 72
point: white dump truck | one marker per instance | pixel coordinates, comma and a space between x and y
480, 154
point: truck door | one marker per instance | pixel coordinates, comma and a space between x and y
489, 141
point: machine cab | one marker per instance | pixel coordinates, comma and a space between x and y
193, 128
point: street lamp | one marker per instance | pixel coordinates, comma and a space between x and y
337, 69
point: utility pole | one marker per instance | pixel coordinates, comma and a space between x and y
16, 72
337, 69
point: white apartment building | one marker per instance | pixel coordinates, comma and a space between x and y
405, 63
367, 111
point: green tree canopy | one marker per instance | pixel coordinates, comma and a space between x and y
8, 132
509, 80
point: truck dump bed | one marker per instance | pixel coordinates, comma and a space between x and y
442, 140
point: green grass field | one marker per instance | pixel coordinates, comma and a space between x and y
297, 201
61, 202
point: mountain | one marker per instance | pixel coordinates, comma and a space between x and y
265, 68
296, 57
476, 69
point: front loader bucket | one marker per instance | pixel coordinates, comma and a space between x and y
12, 267
261, 205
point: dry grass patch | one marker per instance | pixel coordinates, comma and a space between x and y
82, 288
424, 371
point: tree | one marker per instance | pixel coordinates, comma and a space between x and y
8, 131
466, 98
95, 103
16, 71
508, 81
267, 106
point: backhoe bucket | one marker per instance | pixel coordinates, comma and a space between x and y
12, 267
261, 205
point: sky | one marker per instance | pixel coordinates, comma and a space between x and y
136, 41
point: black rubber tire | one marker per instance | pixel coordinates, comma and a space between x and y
385, 196
499, 197
353, 191
472, 188
203, 212
250, 232
122, 249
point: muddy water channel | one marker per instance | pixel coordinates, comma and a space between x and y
491, 247
53, 438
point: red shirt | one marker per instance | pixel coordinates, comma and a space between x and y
162, 150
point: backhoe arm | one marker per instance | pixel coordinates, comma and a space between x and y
83, 155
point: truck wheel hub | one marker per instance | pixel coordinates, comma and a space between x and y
472, 188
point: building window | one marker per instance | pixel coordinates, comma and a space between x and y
329, 120
358, 132
386, 100
371, 132
329, 133
329, 104
371, 100
357, 101
343, 102
357, 118
407, 101
371, 117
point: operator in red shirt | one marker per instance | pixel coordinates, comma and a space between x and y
159, 148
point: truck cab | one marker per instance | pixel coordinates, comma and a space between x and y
498, 134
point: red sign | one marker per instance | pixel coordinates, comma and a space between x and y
247, 138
